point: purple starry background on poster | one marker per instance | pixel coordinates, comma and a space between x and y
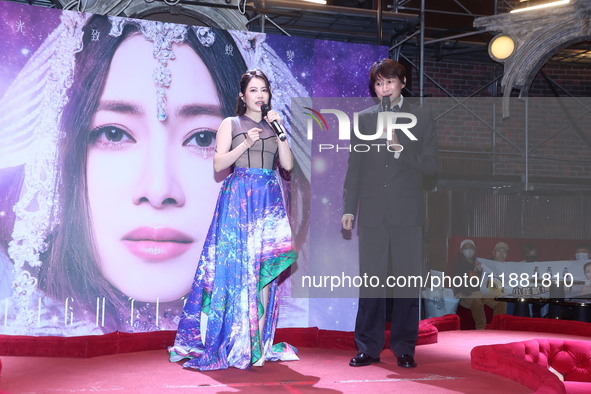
338, 70
22, 28
328, 68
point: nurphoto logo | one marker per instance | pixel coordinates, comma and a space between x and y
386, 123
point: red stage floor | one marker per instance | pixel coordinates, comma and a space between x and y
444, 367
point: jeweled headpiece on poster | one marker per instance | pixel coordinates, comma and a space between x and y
30, 117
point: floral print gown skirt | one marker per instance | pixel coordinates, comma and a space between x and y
247, 247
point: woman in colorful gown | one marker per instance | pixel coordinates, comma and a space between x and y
230, 315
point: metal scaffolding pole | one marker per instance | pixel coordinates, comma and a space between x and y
422, 53
379, 17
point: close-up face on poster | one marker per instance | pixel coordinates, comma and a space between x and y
108, 129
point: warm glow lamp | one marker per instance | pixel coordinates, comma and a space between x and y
501, 47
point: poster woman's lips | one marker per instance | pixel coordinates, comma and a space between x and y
157, 244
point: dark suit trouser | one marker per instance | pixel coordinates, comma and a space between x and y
383, 251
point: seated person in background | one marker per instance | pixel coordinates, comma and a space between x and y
500, 252
586, 290
582, 252
471, 297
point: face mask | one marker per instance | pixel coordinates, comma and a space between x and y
468, 253
582, 256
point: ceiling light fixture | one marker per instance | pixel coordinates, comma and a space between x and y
540, 6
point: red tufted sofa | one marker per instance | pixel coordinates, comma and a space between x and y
528, 363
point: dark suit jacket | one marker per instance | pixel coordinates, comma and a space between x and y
383, 190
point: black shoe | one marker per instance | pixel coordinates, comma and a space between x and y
406, 361
362, 359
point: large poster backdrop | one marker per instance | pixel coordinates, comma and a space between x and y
81, 213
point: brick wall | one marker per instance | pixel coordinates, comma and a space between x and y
560, 150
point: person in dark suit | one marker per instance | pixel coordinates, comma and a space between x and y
384, 188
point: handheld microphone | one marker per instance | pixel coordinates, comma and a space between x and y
277, 128
385, 103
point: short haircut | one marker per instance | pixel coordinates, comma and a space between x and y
386, 68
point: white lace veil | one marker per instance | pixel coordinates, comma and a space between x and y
30, 114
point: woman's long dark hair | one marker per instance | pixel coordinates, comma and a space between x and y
71, 267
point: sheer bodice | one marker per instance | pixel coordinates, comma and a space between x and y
263, 153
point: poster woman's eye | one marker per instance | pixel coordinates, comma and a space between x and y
202, 142
110, 137
201, 139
